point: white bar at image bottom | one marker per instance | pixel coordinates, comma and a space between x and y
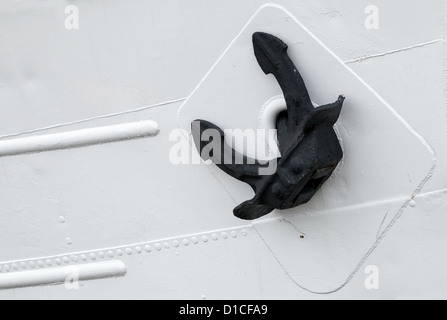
60, 275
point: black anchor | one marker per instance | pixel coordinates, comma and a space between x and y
310, 149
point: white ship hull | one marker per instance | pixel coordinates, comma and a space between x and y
96, 205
